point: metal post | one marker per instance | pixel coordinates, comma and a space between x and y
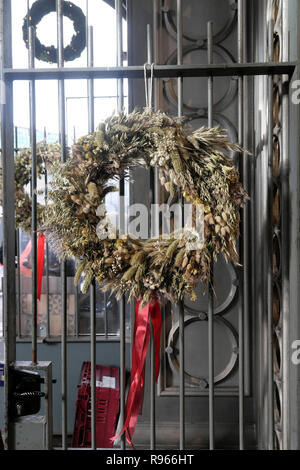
122, 368
285, 236
105, 315
49, 405
91, 120
211, 290
120, 104
9, 280
119, 32
151, 201
93, 364
269, 244
32, 104
156, 90
243, 284
62, 138
19, 305
48, 332
181, 303
91, 100
18, 234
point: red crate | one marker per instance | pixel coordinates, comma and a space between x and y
107, 407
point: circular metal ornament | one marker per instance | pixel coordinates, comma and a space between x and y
169, 14
230, 277
49, 54
197, 380
223, 102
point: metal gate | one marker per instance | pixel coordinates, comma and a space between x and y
261, 286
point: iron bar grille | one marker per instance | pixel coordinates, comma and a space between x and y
271, 68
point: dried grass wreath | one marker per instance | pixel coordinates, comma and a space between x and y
194, 162
47, 156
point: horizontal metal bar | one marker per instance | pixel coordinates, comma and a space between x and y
160, 71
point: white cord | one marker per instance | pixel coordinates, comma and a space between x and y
148, 90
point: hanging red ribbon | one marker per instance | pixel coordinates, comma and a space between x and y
139, 351
40, 261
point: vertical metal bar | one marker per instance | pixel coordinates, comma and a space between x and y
179, 56
105, 315
78, 286
19, 305
156, 58
18, 234
285, 236
243, 284
48, 406
91, 101
120, 103
269, 236
181, 303
211, 290
93, 364
9, 278
151, 202
62, 138
32, 103
122, 367
119, 33
47, 267
77, 293
47, 253
91, 120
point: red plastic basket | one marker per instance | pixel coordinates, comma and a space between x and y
107, 407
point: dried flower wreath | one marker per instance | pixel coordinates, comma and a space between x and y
195, 163
47, 156
41, 8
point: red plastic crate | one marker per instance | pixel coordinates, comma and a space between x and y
107, 407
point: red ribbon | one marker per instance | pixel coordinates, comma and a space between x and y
139, 351
40, 261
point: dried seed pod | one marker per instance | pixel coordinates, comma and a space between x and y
79, 272
223, 232
76, 199
185, 262
137, 258
218, 228
179, 257
172, 248
92, 189
224, 215
140, 272
86, 209
130, 273
135, 247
